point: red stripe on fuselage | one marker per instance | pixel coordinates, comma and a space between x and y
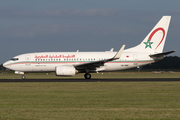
74, 62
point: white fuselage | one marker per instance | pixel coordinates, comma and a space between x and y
48, 61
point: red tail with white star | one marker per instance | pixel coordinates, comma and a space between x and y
155, 40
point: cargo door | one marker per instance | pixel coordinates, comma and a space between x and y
135, 57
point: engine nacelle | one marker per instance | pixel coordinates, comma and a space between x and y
65, 71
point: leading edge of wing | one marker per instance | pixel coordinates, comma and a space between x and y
91, 65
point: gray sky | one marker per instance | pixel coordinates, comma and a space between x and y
86, 25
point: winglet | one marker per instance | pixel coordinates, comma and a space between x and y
119, 53
111, 50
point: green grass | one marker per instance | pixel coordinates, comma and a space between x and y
95, 101
121, 74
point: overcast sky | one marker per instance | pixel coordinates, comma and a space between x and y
86, 25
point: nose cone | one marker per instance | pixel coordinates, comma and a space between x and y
6, 64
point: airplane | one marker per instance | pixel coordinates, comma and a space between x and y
148, 51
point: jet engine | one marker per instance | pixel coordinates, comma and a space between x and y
65, 71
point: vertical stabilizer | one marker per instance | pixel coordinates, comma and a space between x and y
154, 41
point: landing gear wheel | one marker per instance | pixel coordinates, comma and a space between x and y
23, 77
87, 76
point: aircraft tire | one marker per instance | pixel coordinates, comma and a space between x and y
23, 77
87, 76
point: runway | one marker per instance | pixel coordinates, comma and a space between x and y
95, 80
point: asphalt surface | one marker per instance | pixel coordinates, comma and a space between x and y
95, 80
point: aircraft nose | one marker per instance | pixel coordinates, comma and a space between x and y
5, 64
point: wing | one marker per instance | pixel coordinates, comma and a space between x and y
93, 65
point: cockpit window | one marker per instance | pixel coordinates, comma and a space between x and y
15, 59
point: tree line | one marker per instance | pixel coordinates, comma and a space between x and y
170, 62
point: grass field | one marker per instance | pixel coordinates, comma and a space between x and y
95, 101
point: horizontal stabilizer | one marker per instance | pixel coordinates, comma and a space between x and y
162, 54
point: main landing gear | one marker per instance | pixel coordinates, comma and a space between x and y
23, 77
87, 76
